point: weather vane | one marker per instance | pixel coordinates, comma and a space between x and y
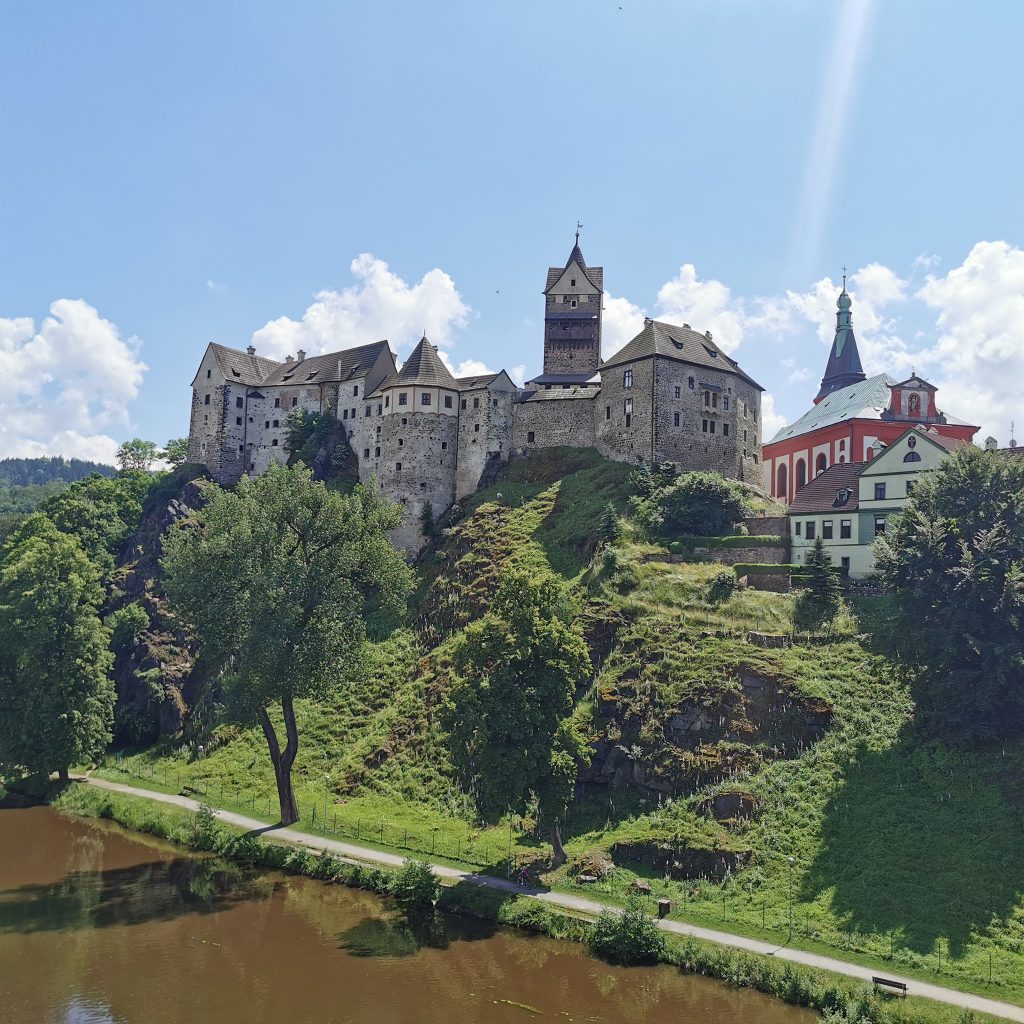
579, 227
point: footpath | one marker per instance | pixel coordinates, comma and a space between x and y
566, 901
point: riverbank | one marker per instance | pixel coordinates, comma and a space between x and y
795, 976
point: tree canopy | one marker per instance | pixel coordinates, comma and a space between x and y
954, 561
274, 577
137, 455
56, 700
175, 452
508, 714
700, 503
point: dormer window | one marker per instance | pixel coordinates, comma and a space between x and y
842, 495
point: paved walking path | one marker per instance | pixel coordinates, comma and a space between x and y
566, 901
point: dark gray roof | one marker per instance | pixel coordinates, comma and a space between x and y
682, 344
844, 366
331, 366
241, 366
560, 395
566, 378
595, 275
822, 493
481, 380
424, 366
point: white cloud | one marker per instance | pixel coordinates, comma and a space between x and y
216, 286
771, 421
621, 321
979, 353
466, 368
518, 374
705, 305
380, 305
65, 384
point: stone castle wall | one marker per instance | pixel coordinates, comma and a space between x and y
485, 433
625, 426
552, 419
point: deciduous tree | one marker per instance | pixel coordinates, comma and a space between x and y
509, 712
954, 561
175, 452
274, 577
56, 700
137, 455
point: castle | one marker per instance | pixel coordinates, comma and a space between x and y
428, 438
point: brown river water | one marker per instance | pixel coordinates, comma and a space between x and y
98, 925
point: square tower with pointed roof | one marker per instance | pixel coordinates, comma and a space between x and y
573, 297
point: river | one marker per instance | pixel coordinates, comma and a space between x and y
99, 925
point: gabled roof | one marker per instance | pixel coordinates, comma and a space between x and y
331, 366
566, 378
595, 275
823, 493
1012, 453
481, 380
560, 395
916, 382
682, 344
947, 444
243, 367
864, 400
424, 366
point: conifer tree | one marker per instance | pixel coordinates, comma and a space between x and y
820, 601
609, 530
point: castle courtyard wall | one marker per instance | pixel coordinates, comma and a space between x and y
554, 419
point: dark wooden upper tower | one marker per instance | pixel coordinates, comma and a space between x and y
572, 318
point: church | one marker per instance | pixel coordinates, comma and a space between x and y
428, 438
853, 418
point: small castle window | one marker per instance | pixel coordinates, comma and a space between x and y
376, 453
369, 411
378, 429
405, 421
208, 374
238, 421
207, 400
380, 409
476, 403
267, 425
295, 402
572, 304
572, 282
627, 378
277, 403
444, 446
476, 428
344, 414
398, 467
704, 425
462, 404
447, 401
366, 453
403, 398
273, 443
238, 403
425, 398
529, 437
677, 392
494, 403
797, 526
691, 383
355, 390
711, 426
607, 412
629, 420
725, 430
387, 401
725, 403
277, 423
675, 419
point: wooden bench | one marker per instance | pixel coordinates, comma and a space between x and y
889, 983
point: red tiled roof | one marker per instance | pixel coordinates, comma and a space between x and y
822, 493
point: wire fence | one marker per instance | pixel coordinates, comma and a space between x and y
720, 904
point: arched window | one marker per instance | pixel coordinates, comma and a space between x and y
801, 473
912, 457
780, 491
820, 464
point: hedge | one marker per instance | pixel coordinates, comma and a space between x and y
741, 541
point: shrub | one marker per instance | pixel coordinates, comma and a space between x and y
203, 828
126, 624
609, 529
721, 587
630, 937
416, 887
700, 503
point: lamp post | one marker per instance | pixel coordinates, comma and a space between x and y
791, 861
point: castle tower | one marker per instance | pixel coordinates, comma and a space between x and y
419, 441
572, 318
844, 366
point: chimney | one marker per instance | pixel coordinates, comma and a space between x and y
991, 444
301, 354
707, 334
289, 359
251, 350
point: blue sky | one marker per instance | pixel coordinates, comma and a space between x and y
177, 174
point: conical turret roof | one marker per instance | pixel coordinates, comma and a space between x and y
844, 366
424, 366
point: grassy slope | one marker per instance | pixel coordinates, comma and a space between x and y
900, 848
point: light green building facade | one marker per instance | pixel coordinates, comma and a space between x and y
848, 505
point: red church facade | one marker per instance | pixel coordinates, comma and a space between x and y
853, 417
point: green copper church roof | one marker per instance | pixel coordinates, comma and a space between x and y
866, 399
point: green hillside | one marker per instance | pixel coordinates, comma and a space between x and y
716, 759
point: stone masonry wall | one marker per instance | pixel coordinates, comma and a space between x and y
554, 421
485, 431
417, 466
625, 436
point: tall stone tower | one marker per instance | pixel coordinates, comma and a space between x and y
419, 441
572, 318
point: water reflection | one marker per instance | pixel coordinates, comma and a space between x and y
98, 927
